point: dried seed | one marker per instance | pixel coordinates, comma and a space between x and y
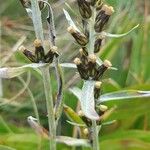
91, 65
102, 17
39, 51
28, 54
101, 69
97, 89
84, 9
81, 69
78, 36
97, 44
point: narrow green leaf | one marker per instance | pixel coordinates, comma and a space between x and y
68, 65
72, 141
16, 71
76, 124
37, 20
76, 91
2, 147
87, 100
72, 115
108, 122
123, 95
119, 35
70, 21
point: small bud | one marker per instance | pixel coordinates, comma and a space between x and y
91, 65
103, 108
99, 4
98, 84
81, 69
28, 54
86, 131
39, 51
92, 58
50, 55
78, 36
102, 17
98, 43
84, 9
37, 43
80, 113
97, 89
109, 10
83, 55
106, 65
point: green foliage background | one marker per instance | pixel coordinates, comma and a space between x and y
129, 54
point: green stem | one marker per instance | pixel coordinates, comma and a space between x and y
95, 136
92, 33
49, 105
33, 104
5, 124
32, 98
91, 51
37, 21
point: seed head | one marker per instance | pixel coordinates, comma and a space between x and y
77, 61
107, 63
71, 29
103, 108
86, 131
98, 84
92, 58
22, 48
80, 113
84, 8
78, 36
37, 43
109, 10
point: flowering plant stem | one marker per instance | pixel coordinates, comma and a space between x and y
92, 33
95, 136
49, 105
95, 141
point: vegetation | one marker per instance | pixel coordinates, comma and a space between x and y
88, 91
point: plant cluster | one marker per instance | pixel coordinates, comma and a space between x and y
92, 115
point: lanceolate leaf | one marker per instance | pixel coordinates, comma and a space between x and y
16, 71
73, 116
119, 95
72, 141
76, 124
2, 147
70, 21
68, 65
76, 91
123, 95
11, 72
87, 100
119, 35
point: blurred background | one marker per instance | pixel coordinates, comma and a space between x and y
130, 54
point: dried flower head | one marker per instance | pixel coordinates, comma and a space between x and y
39, 56
84, 8
78, 36
102, 17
